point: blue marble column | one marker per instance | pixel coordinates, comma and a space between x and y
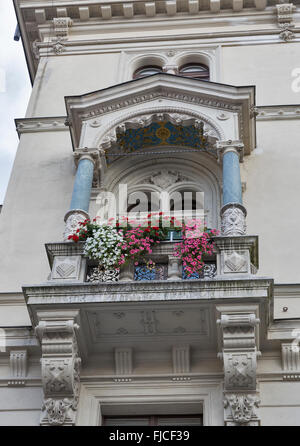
233, 213
81, 194
83, 185
232, 186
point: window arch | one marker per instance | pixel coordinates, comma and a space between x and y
146, 70
195, 71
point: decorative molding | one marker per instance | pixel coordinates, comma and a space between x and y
18, 367
181, 359
290, 354
123, 361
235, 262
60, 367
149, 322
233, 220
285, 20
48, 124
135, 291
61, 26
278, 112
98, 274
72, 220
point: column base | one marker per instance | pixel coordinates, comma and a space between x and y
72, 220
233, 219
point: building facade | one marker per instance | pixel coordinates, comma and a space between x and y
122, 92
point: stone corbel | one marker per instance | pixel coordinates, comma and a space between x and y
60, 363
285, 20
239, 354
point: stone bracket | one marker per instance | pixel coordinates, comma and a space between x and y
57, 332
239, 354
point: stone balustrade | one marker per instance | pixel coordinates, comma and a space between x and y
235, 256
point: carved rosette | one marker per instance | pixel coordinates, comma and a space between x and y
60, 371
233, 220
240, 362
72, 220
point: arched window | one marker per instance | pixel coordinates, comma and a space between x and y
195, 71
146, 71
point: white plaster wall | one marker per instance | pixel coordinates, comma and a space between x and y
62, 76
38, 195
280, 403
272, 181
268, 67
20, 406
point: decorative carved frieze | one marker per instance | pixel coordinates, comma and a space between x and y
18, 367
181, 358
233, 220
60, 367
98, 274
239, 355
285, 20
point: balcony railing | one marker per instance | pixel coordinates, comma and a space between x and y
165, 267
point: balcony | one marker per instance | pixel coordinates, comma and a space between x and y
68, 263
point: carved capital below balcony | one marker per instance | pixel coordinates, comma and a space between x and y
60, 367
239, 353
72, 220
233, 219
240, 409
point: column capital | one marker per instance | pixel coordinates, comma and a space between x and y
230, 146
86, 153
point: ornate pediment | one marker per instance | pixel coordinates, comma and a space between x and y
165, 110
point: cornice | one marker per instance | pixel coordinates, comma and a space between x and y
59, 123
44, 124
37, 23
278, 112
